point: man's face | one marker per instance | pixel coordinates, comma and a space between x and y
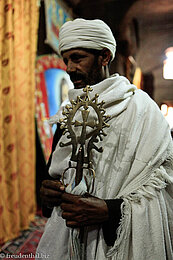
83, 67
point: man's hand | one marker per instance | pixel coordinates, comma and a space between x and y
51, 192
81, 211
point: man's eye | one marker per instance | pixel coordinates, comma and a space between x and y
77, 58
74, 58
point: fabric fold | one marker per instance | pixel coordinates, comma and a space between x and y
136, 165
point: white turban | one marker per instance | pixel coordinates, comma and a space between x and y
90, 34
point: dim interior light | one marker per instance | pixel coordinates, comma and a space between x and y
168, 114
168, 64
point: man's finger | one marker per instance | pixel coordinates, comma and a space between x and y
65, 207
49, 192
72, 224
69, 207
68, 215
51, 202
67, 197
53, 184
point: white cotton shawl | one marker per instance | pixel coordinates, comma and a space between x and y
136, 165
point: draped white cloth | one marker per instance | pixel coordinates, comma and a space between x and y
90, 34
137, 166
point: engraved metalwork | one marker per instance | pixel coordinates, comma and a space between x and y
83, 144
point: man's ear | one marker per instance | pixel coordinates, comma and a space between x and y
106, 56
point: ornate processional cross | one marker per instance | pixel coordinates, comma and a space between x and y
85, 142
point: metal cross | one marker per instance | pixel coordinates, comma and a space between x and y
84, 124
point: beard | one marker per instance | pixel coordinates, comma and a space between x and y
92, 77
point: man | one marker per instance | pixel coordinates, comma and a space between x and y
128, 214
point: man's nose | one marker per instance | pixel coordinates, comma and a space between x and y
71, 67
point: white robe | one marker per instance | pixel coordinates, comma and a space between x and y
137, 166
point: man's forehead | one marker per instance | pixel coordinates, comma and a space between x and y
79, 51
76, 51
